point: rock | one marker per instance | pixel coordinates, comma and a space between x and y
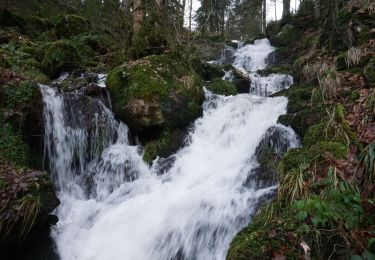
92, 90
213, 71
288, 34
369, 71
222, 87
71, 25
164, 145
242, 85
227, 55
60, 56
157, 91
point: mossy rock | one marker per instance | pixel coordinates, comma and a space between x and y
337, 149
156, 91
299, 97
369, 71
163, 145
222, 87
58, 57
288, 34
213, 71
71, 25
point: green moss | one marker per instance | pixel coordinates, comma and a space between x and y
298, 98
12, 148
337, 149
222, 87
263, 239
19, 97
60, 56
292, 159
71, 25
316, 133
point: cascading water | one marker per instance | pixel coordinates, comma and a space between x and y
253, 57
113, 206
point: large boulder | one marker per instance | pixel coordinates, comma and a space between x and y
155, 92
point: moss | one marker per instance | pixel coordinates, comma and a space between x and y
71, 25
337, 149
60, 56
292, 159
298, 98
316, 133
267, 239
222, 87
12, 147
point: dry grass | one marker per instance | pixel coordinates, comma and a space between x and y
353, 56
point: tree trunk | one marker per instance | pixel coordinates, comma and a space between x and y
264, 24
190, 14
286, 8
317, 8
138, 15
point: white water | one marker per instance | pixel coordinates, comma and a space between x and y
113, 206
251, 58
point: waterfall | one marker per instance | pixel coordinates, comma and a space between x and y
253, 57
114, 206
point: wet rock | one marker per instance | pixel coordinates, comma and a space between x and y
274, 144
242, 85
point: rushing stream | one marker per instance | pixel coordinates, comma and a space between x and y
114, 206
